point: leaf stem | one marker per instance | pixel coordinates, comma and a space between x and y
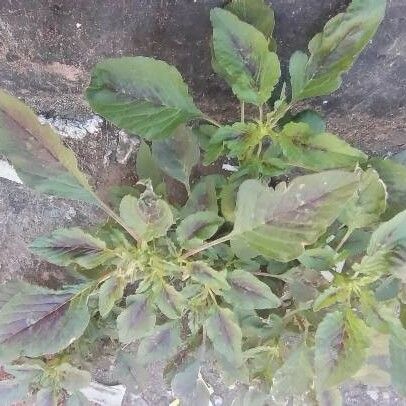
261, 113
206, 246
344, 239
268, 275
242, 112
211, 121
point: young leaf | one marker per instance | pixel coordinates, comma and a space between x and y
110, 292
340, 348
257, 14
393, 174
37, 153
169, 301
161, 344
177, 155
279, 224
142, 95
72, 246
137, 320
319, 259
150, 216
203, 197
198, 227
225, 335
317, 151
42, 321
295, 376
368, 204
313, 119
241, 55
204, 274
146, 167
333, 51
247, 292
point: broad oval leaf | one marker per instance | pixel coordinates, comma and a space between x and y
368, 204
142, 95
256, 13
397, 351
42, 321
340, 348
198, 227
169, 301
278, 224
206, 275
247, 292
241, 55
109, 293
72, 246
387, 248
393, 174
38, 155
161, 344
149, 216
225, 335
146, 167
304, 148
334, 50
177, 155
137, 320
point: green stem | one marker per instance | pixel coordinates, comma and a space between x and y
242, 112
261, 113
344, 239
268, 275
211, 121
206, 246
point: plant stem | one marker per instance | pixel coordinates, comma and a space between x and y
261, 113
242, 112
344, 239
268, 275
206, 246
211, 121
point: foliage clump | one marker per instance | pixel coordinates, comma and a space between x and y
291, 289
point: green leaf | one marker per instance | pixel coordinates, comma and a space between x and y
149, 216
317, 151
131, 372
12, 288
368, 204
110, 292
12, 391
189, 386
146, 166
313, 119
331, 296
197, 228
72, 246
241, 55
278, 224
42, 321
340, 348
203, 197
72, 378
225, 335
295, 376
47, 397
142, 95
397, 351
177, 155
388, 245
161, 344
319, 259
38, 155
77, 399
137, 320
393, 174
256, 13
334, 50
169, 301
247, 292
204, 274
